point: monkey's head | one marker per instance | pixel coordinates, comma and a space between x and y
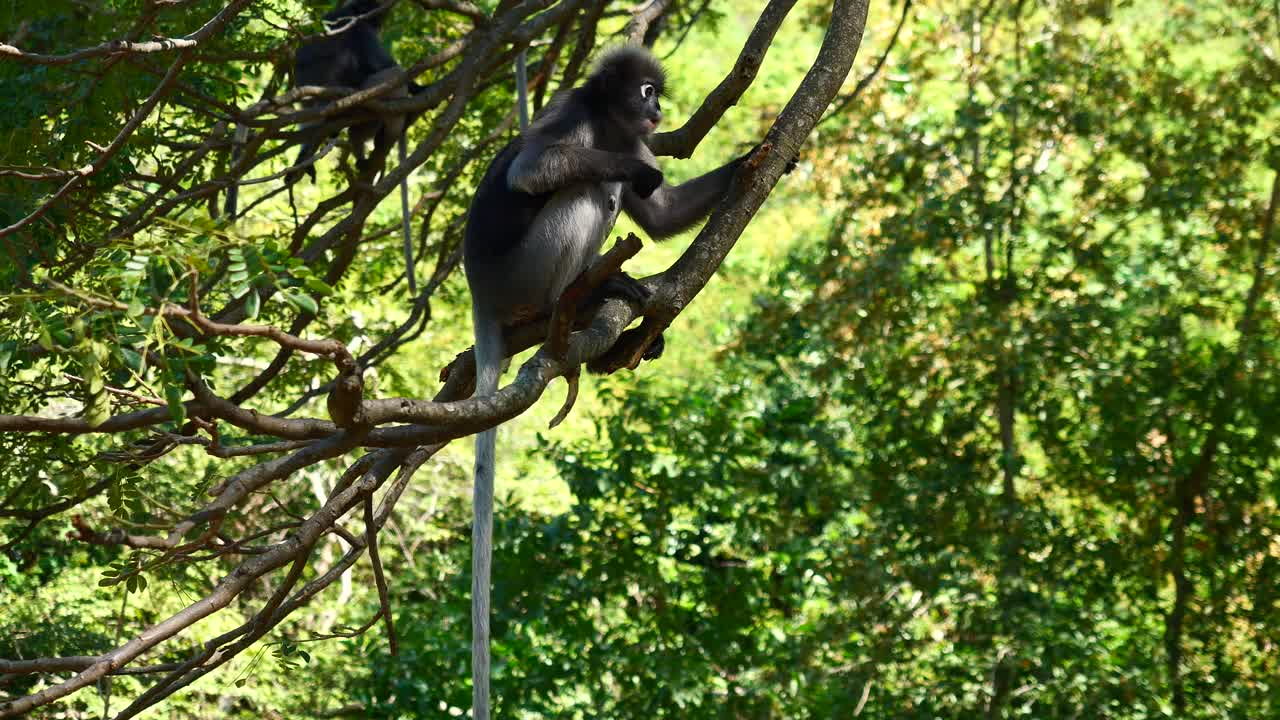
628, 83
371, 10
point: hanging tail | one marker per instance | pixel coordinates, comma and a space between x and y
406, 233
489, 357
488, 367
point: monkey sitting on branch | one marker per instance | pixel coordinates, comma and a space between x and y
538, 219
354, 57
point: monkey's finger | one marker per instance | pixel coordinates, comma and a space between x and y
655, 349
622, 285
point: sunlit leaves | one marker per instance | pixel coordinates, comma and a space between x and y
127, 571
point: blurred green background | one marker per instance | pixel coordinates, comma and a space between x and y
979, 419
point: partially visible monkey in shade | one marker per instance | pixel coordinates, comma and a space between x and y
538, 219
354, 57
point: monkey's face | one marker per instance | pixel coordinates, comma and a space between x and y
638, 106
651, 110
627, 84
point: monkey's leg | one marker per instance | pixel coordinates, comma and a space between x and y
579, 294
303, 165
306, 160
362, 161
656, 348
633, 345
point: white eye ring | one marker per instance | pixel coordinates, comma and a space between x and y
647, 90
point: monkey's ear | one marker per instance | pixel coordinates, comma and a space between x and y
602, 80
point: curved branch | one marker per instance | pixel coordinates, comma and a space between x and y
640, 20
290, 550
682, 142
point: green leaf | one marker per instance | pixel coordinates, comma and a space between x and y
173, 396
132, 358
98, 410
317, 286
252, 303
303, 301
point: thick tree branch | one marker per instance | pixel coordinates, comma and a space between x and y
114, 47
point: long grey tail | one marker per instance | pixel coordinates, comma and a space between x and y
233, 190
522, 91
404, 221
488, 367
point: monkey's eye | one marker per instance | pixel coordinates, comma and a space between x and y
647, 91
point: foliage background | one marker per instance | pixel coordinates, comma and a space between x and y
979, 419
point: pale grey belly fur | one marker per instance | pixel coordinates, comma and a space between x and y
560, 244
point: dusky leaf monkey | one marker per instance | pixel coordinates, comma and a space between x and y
354, 57
538, 219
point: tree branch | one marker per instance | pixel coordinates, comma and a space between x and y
210, 28
682, 142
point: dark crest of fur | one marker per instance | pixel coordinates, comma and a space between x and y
623, 68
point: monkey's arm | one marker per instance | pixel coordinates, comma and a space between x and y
542, 167
672, 210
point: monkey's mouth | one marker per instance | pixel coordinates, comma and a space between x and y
649, 125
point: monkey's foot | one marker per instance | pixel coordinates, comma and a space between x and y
632, 347
621, 285
655, 349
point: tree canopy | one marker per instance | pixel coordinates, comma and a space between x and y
974, 414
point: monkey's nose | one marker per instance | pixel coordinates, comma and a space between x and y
655, 117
